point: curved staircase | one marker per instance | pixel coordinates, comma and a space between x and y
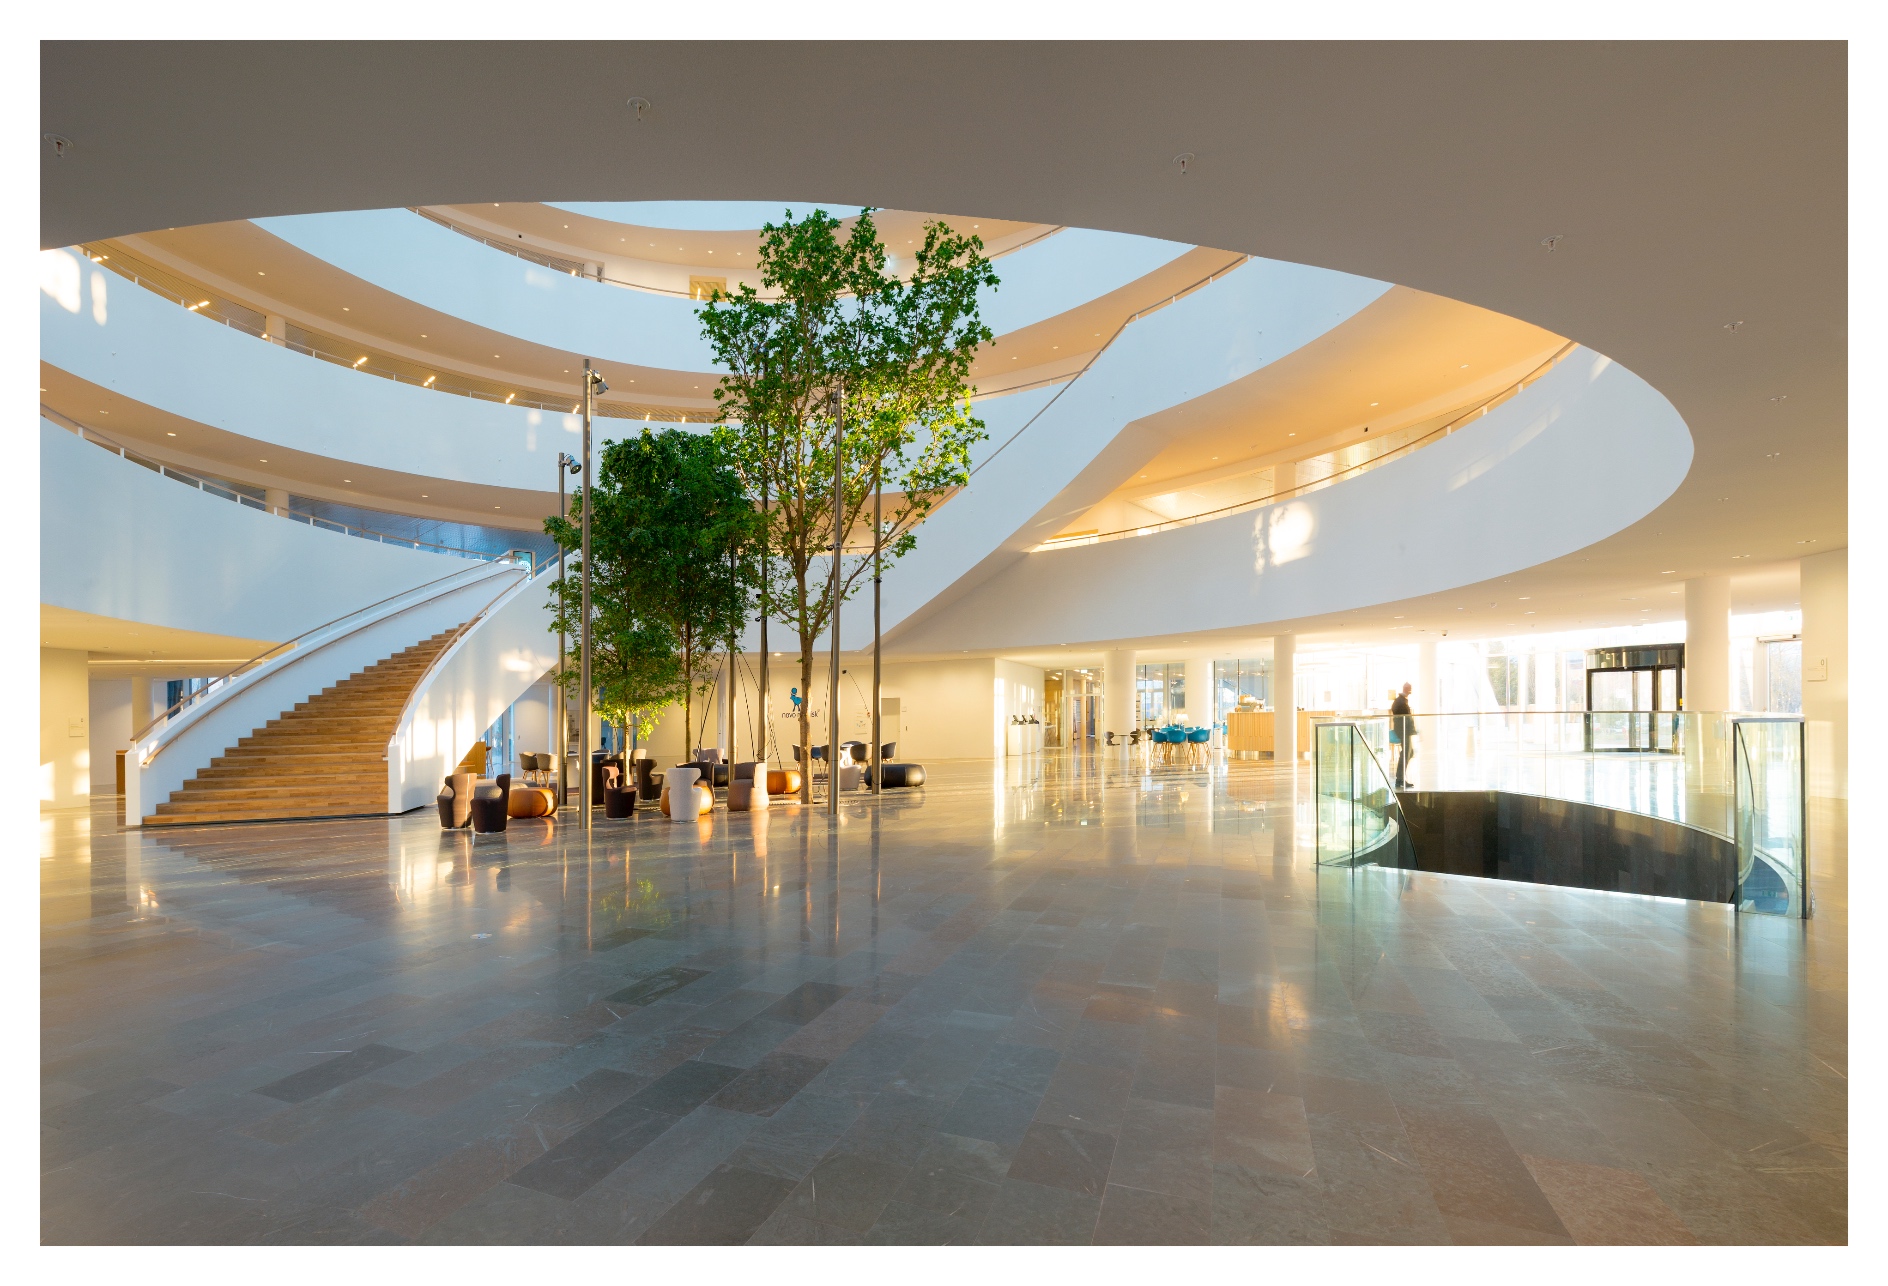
327, 757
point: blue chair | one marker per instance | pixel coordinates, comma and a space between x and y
1197, 741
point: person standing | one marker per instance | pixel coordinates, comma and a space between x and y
1402, 732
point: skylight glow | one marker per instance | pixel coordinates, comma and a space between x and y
701, 216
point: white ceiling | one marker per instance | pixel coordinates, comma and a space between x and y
1680, 207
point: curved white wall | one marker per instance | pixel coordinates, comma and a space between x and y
418, 259
118, 540
1535, 479
1246, 320
145, 347
162, 762
480, 676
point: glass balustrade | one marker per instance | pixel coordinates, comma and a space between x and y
1771, 819
1674, 765
1359, 820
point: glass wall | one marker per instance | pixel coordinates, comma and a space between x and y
1242, 678
1160, 692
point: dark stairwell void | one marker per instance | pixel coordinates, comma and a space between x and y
1504, 836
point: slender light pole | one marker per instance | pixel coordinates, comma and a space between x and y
564, 462
766, 721
583, 666
839, 544
878, 568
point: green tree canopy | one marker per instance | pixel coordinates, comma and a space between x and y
845, 357
669, 534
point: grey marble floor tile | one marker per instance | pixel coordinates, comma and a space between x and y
921, 1013
1028, 1214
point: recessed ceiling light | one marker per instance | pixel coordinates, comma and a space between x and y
1668, 571
172, 435
424, 496
346, 309
347, 479
1464, 365
1376, 404
260, 273
262, 462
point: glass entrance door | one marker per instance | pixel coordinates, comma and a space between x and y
1633, 710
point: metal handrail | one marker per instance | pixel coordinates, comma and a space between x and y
217, 488
1475, 412
445, 652
223, 682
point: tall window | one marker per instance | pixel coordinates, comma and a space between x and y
1159, 691
1242, 678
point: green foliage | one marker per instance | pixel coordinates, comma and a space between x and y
894, 353
669, 535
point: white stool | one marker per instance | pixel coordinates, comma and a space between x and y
684, 800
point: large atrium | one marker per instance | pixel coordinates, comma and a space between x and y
938, 649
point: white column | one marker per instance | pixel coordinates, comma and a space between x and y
275, 329
1825, 592
1200, 691
276, 499
1284, 701
1427, 698
1708, 643
1117, 694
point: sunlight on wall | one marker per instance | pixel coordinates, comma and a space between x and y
59, 277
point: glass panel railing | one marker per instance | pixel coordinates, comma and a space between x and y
1674, 765
1359, 821
1771, 816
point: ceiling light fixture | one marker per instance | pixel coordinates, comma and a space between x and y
357, 364
172, 435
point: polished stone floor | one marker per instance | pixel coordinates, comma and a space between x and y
1051, 1002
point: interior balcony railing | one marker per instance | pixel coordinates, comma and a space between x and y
367, 359
1326, 468
224, 490
1738, 780
1360, 820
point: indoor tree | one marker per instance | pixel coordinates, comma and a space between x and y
846, 361
669, 534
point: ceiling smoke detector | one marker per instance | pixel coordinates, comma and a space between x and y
639, 105
59, 143
1184, 161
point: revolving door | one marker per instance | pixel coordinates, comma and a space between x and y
1633, 699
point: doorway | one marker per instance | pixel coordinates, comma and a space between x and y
1633, 699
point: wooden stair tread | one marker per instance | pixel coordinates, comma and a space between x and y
325, 757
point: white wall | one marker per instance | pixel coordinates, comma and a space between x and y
1018, 691
161, 354
1103, 426
1825, 589
485, 671
117, 540
65, 759
193, 738
1531, 481
111, 730
414, 257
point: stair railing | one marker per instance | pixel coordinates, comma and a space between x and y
164, 729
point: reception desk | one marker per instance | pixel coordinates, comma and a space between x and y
1250, 732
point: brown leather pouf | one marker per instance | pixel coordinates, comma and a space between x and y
783, 782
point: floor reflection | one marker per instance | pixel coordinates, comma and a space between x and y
1056, 998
